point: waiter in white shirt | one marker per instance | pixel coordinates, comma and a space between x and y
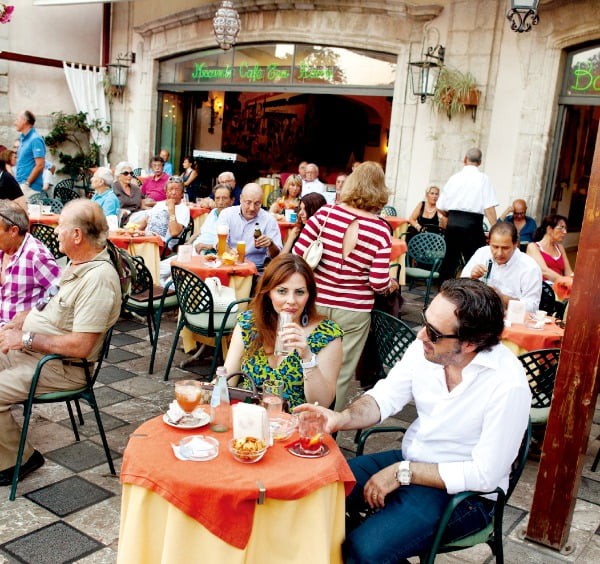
465, 198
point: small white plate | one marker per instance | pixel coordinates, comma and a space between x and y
214, 263
206, 450
198, 422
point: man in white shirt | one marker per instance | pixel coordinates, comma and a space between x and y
464, 199
501, 265
311, 182
473, 401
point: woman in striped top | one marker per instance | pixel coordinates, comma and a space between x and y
355, 262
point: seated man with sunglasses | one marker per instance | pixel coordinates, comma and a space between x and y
71, 321
472, 400
28, 269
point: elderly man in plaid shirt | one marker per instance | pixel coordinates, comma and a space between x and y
28, 269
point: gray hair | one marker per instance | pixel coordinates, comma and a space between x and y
225, 177
474, 155
105, 174
13, 214
90, 218
121, 167
223, 187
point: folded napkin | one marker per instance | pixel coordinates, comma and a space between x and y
250, 420
175, 413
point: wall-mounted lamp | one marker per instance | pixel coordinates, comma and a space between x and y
523, 14
226, 25
117, 73
424, 74
216, 113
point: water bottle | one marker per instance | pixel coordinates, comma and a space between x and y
220, 408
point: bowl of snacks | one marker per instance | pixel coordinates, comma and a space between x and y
228, 258
247, 450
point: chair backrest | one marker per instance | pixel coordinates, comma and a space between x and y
55, 205
273, 197
427, 248
137, 171
65, 194
36, 198
516, 468
46, 234
540, 367
66, 183
548, 299
390, 210
192, 293
143, 279
392, 338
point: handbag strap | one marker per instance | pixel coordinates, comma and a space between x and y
323, 225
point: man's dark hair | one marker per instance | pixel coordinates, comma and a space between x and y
479, 311
223, 187
29, 117
506, 228
157, 158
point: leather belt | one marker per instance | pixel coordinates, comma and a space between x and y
76, 363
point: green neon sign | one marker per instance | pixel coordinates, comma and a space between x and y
587, 79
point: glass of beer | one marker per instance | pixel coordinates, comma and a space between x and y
222, 233
241, 251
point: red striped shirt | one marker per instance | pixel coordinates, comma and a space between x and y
348, 283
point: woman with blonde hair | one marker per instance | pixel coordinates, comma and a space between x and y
426, 216
355, 262
289, 197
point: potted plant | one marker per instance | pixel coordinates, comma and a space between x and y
455, 91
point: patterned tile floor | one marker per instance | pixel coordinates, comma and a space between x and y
68, 511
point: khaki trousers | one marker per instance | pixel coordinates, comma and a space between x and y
16, 373
355, 325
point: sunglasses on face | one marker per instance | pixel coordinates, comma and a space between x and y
433, 334
127, 173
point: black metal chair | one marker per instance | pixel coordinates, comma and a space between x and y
197, 313
540, 367
65, 194
389, 210
549, 303
150, 301
66, 183
56, 206
45, 234
172, 243
424, 259
86, 392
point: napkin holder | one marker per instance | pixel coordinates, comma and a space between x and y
250, 420
515, 312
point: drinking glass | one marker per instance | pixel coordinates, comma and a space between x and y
540, 316
184, 253
241, 251
273, 397
280, 347
311, 428
188, 394
222, 234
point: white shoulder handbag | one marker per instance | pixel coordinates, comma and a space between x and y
222, 295
313, 253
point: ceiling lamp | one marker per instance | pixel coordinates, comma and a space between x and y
226, 25
424, 74
523, 14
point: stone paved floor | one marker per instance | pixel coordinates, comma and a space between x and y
68, 511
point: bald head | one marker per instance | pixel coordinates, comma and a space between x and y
519, 207
251, 200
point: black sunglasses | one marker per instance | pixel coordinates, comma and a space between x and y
433, 334
127, 173
42, 303
8, 220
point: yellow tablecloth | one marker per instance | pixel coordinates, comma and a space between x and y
310, 529
150, 252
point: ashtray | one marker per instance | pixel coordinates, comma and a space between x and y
537, 325
283, 426
196, 447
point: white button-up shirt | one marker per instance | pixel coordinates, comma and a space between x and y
473, 432
520, 277
469, 190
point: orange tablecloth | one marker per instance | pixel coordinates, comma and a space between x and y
520, 339
221, 494
124, 240
46, 219
399, 247
197, 211
146, 246
198, 265
562, 287
399, 224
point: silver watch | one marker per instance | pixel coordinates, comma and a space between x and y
27, 340
404, 475
311, 363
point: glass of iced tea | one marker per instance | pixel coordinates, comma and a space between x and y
311, 428
188, 394
273, 397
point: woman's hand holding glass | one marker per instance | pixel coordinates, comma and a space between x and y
293, 337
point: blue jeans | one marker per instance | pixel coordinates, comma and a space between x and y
407, 523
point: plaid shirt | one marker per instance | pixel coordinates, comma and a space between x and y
31, 272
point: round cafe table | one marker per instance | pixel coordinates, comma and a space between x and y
521, 339
237, 276
198, 215
146, 246
399, 224
45, 218
397, 256
182, 511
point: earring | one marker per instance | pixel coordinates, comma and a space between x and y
304, 318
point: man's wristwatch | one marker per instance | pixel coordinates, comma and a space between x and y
310, 364
172, 218
27, 340
404, 475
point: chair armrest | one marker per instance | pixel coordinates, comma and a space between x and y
364, 435
228, 311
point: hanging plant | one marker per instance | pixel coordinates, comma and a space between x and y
455, 91
6, 13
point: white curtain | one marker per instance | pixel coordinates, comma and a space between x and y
86, 84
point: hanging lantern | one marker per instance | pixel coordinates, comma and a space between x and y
226, 25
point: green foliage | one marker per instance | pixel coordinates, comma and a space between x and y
76, 131
454, 91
